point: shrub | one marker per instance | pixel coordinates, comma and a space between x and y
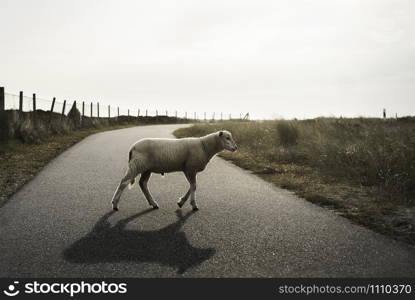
287, 134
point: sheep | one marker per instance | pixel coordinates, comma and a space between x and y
161, 155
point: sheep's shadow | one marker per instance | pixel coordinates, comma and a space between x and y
166, 246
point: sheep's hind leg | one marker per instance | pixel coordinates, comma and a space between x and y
124, 182
143, 185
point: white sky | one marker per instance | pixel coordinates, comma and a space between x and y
272, 58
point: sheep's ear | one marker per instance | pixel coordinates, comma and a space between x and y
220, 133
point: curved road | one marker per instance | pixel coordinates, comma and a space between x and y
60, 224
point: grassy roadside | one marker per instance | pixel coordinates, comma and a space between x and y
20, 161
341, 165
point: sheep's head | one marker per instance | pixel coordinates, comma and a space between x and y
227, 140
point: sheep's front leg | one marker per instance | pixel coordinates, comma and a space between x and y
143, 185
191, 177
183, 199
193, 191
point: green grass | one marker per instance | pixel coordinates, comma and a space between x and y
20, 161
362, 168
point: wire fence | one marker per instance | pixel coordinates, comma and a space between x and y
21, 102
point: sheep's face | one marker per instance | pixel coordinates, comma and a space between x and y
227, 140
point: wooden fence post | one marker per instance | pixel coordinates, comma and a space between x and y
230, 117
109, 112
53, 104
194, 116
128, 113
98, 109
83, 109
204, 116
138, 113
21, 101
34, 102
185, 115
176, 114
157, 113
167, 114
91, 109
146, 113
63, 108
221, 116
2, 100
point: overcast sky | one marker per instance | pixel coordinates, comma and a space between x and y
273, 58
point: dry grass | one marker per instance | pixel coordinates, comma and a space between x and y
20, 161
363, 169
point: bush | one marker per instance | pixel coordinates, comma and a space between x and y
287, 134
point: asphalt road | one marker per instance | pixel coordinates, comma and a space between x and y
61, 224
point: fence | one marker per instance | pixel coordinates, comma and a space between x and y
22, 102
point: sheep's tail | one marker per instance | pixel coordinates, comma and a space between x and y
132, 182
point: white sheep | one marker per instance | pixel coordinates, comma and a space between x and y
157, 155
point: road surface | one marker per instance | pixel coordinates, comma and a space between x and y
60, 224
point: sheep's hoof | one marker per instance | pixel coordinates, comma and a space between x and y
115, 208
195, 208
155, 207
179, 204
